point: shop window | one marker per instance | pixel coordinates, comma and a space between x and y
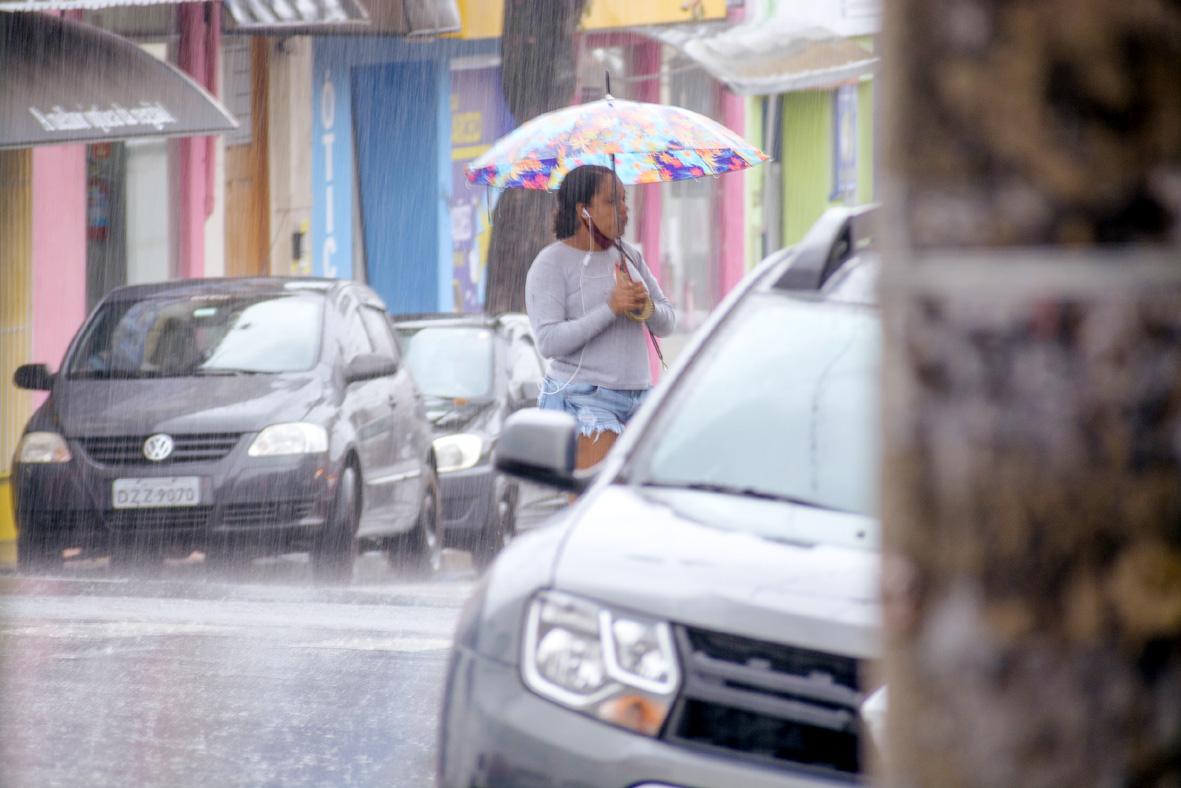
689, 234
131, 199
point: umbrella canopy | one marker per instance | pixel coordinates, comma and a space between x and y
643, 143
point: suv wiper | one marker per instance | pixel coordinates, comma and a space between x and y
733, 489
112, 374
223, 372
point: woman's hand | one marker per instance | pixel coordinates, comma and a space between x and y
628, 296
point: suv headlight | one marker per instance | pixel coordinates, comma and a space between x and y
608, 664
458, 452
294, 438
43, 447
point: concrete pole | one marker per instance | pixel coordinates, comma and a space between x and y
1032, 423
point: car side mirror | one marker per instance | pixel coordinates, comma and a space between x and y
35, 377
369, 366
540, 446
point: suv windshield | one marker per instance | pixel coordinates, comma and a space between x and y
782, 403
175, 336
452, 362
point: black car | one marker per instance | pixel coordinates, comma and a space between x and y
474, 370
238, 417
707, 613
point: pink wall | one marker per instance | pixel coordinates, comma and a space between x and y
646, 60
732, 265
59, 249
200, 40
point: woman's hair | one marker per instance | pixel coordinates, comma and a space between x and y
579, 186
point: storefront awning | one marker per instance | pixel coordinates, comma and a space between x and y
384, 17
266, 15
377, 17
767, 56
77, 5
69, 82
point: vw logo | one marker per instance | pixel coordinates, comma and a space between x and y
158, 447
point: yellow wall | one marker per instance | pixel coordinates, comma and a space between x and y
480, 18
485, 18
16, 331
7, 529
605, 14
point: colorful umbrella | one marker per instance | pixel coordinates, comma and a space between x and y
643, 143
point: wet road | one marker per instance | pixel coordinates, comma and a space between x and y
183, 679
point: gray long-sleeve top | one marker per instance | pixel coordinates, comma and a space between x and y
575, 328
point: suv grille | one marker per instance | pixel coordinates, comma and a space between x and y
767, 702
128, 449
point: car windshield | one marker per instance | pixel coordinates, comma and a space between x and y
782, 404
450, 362
176, 336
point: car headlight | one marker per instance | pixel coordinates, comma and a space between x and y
294, 438
457, 452
611, 665
43, 447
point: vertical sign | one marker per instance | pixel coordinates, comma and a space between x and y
332, 165
844, 145
478, 117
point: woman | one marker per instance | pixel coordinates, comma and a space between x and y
590, 315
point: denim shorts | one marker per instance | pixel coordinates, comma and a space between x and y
597, 408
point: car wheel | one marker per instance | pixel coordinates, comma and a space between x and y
420, 552
36, 553
499, 530
334, 552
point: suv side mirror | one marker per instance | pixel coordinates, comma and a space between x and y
369, 366
35, 377
540, 446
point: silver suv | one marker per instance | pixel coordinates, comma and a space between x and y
704, 614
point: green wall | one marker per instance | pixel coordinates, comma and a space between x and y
807, 160
807, 156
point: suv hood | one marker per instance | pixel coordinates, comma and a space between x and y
693, 558
242, 403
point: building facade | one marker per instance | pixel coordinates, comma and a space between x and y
96, 198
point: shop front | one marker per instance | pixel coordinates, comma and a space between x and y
395, 121
84, 121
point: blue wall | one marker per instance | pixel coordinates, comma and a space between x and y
390, 140
397, 133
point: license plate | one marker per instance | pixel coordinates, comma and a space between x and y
156, 492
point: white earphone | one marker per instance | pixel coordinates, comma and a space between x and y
586, 213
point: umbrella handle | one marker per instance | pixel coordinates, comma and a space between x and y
655, 344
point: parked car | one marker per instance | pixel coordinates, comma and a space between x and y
706, 614
474, 371
240, 417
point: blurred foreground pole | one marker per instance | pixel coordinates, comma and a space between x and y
1032, 422
538, 67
